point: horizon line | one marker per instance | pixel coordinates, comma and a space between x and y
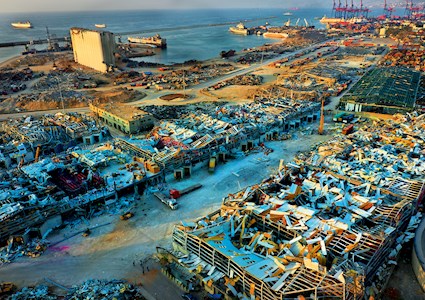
155, 9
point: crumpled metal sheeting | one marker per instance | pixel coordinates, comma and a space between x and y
377, 152
40, 292
33, 248
88, 290
104, 290
326, 223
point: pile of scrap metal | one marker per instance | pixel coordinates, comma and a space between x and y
38, 292
378, 153
18, 247
91, 289
300, 233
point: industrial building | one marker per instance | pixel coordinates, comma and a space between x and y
300, 234
124, 118
384, 90
93, 48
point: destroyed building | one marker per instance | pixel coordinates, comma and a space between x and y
377, 153
124, 118
330, 227
93, 48
299, 233
383, 90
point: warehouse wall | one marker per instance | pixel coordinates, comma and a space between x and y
94, 49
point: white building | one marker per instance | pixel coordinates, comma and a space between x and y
93, 48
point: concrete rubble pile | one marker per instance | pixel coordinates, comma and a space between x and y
177, 78
34, 132
249, 79
98, 289
301, 232
32, 248
91, 289
54, 186
378, 153
76, 125
266, 113
69, 97
14, 81
200, 132
52, 80
37, 293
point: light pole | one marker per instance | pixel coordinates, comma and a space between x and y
184, 85
60, 93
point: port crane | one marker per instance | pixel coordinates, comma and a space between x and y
413, 12
388, 11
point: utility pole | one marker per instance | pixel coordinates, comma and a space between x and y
322, 116
61, 96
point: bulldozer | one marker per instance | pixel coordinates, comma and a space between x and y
126, 216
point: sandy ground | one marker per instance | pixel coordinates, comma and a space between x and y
403, 283
110, 250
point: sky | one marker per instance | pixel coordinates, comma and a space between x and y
93, 5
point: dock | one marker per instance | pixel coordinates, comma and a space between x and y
34, 42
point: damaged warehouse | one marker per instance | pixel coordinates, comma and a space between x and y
330, 226
301, 232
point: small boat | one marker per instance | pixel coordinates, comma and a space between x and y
26, 24
100, 25
288, 14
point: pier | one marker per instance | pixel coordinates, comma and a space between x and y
34, 42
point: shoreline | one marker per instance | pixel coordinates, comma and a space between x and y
7, 61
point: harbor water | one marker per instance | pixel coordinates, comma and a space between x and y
200, 38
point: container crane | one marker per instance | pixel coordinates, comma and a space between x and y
388, 11
339, 11
364, 11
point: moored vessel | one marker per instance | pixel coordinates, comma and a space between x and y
26, 24
156, 40
240, 29
275, 35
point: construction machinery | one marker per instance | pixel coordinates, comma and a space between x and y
348, 129
212, 164
170, 202
175, 194
126, 216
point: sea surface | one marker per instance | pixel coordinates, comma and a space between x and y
199, 42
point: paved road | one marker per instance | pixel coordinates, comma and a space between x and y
155, 96
4, 117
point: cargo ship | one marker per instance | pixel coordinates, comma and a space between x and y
326, 20
156, 40
240, 29
26, 24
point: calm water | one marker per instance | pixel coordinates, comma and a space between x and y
196, 43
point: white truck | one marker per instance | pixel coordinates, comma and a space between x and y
171, 203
